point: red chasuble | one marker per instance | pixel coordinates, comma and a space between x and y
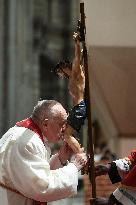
29, 124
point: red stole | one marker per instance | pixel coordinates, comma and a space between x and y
29, 124
130, 178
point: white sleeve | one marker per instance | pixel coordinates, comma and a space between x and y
30, 172
122, 167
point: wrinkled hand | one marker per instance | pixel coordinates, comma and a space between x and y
79, 160
101, 169
65, 153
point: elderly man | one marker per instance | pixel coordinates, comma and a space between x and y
27, 173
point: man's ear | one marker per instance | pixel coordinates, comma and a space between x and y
45, 122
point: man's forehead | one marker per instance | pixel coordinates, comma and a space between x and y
60, 111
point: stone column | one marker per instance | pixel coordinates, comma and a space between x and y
2, 81
21, 92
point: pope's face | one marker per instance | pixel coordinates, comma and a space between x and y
56, 126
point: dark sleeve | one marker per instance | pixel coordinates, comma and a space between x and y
77, 116
114, 200
113, 173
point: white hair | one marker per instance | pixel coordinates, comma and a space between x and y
46, 109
